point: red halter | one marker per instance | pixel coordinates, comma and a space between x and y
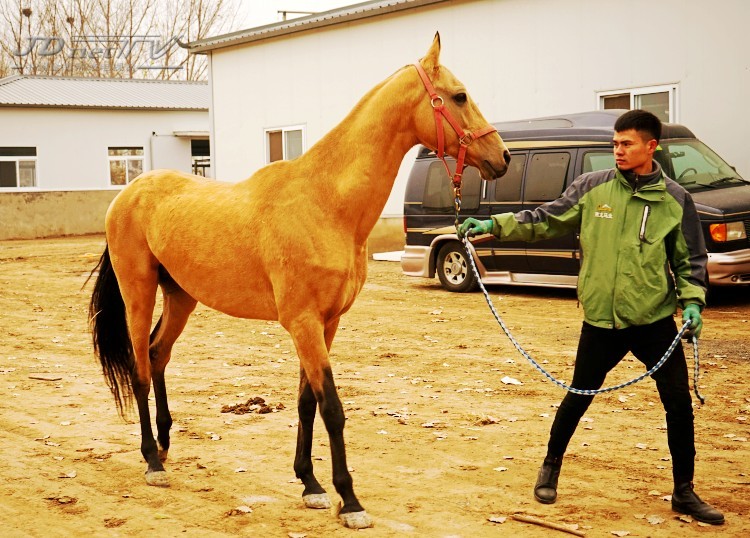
464, 138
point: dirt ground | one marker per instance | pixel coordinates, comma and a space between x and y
439, 442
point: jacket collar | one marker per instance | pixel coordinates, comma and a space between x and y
651, 181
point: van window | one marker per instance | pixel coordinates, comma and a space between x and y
438, 189
595, 160
687, 160
471, 188
545, 178
438, 193
508, 189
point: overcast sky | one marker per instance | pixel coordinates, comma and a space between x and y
259, 12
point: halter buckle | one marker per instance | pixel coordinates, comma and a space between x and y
435, 100
466, 139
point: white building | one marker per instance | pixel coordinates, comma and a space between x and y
277, 89
68, 145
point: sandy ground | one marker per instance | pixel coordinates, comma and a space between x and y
439, 444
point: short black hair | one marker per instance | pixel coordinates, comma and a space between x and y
639, 120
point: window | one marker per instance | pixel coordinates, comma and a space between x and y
695, 166
659, 100
285, 143
200, 151
598, 160
17, 167
438, 189
687, 160
125, 164
508, 189
545, 178
471, 188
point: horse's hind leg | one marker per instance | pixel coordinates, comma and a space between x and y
178, 306
138, 283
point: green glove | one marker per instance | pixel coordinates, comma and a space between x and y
471, 227
692, 312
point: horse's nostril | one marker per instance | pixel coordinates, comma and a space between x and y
506, 156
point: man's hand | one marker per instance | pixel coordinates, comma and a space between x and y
692, 312
471, 227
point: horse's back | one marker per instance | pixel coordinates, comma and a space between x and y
231, 246
203, 232
151, 188
155, 198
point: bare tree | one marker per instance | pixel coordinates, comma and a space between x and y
191, 20
77, 15
5, 67
109, 38
16, 18
171, 26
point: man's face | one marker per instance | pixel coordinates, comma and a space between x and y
632, 152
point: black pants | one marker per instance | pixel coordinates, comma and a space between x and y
600, 350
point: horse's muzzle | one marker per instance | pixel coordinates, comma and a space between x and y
494, 171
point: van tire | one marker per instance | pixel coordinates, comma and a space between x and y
453, 269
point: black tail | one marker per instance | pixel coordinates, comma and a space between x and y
110, 333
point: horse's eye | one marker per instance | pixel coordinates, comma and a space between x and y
460, 98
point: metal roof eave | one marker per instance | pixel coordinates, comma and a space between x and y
101, 107
346, 14
43, 91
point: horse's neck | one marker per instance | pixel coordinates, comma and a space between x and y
359, 159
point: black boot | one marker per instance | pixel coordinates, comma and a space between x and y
545, 490
686, 501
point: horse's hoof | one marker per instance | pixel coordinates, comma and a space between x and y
356, 520
163, 455
317, 500
157, 478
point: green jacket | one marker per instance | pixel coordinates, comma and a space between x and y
642, 249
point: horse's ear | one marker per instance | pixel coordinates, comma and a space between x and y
431, 61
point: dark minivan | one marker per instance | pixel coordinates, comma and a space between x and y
547, 155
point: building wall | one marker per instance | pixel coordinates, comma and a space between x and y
30, 215
72, 143
518, 58
73, 186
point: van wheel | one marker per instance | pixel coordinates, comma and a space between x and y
453, 269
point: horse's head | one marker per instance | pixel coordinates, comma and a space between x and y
468, 136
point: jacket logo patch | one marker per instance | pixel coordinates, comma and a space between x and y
603, 211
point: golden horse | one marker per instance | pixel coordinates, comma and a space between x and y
289, 244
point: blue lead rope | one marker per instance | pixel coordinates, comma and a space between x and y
586, 392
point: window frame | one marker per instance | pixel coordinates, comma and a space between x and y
126, 159
671, 89
17, 159
283, 130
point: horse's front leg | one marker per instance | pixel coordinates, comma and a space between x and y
312, 345
352, 514
314, 496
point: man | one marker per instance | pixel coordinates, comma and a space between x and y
643, 255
